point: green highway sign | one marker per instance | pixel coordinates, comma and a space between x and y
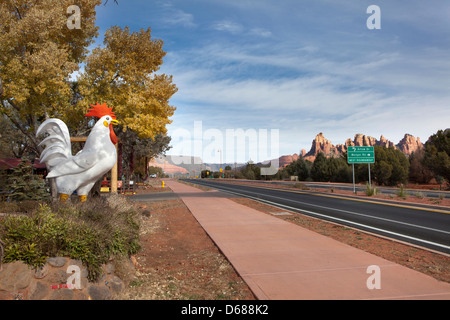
360, 155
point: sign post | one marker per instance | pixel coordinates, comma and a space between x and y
360, 155
353, 170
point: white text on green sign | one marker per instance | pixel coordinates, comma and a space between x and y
360, 155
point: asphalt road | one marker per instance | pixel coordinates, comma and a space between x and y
349, 187
427, 228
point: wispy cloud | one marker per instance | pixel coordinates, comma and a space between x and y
228, 26
381, 93
173, 16
178, 17
237, 28
260, 32
306, 67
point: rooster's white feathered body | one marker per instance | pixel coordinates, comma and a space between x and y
80, 172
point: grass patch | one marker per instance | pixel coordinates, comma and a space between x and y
92, 232
419, 195
301, 186
401, 193
370, 191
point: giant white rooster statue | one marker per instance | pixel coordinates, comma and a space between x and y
80, 172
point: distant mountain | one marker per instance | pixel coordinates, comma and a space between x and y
178, 165
217, 166
407, 145
183, 165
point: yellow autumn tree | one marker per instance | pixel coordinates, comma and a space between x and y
38, 53
122, 74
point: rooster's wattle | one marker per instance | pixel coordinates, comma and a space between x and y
80, 172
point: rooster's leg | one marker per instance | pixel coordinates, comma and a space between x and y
63, 197
82, 198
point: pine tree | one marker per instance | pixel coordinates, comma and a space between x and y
23, 185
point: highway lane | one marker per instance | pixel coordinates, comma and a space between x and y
423, 227
359, 188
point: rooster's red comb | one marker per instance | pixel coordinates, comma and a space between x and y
100, 110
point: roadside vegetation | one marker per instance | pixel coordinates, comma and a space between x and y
391, 167
92, 232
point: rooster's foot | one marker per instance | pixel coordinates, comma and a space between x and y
63, 197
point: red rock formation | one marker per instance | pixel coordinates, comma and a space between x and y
409, 144
168, 168
385, 142
362, 140
303, 152
321, 144
285, 160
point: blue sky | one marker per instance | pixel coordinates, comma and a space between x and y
300, 67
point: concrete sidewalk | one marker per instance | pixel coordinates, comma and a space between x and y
282, 261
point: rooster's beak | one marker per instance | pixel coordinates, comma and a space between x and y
114, 122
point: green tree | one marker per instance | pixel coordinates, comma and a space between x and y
338, 170
391, 166
135, 150
24, 185
205, 174
418, 172
382, 172
251, 171
282, 174
300, 168
319, 169
156, 170
437, 154
343, 171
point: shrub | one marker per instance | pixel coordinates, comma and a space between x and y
370, 191
401, 193
300, 186
91, 232
21, 184
419, 195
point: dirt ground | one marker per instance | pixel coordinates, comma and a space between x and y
178, 260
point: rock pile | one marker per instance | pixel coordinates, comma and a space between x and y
18, 281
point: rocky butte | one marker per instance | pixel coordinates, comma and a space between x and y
407, 145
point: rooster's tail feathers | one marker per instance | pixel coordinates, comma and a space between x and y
57, 143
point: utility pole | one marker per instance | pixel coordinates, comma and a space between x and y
221, 164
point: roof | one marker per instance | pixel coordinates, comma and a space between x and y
11, 163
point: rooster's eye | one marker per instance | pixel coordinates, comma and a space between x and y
107, 118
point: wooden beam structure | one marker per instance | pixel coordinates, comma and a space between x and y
78, 139
114, 177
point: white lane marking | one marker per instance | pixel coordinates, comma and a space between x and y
346, 221
355, 213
